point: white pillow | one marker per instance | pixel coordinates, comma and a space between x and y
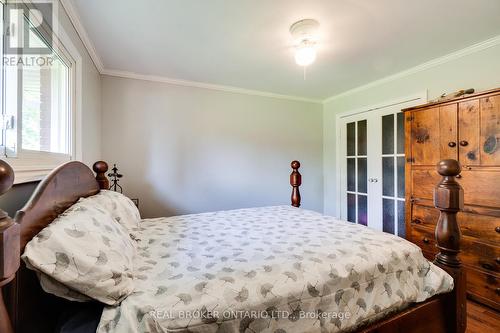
51, 286
121, 208
85, 250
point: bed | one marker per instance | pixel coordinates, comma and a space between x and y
270, 269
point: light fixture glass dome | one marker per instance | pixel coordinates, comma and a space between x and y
305, 36
305, 54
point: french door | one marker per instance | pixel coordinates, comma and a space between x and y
372, 169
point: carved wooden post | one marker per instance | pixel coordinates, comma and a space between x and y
100, 168
9, 246
295, 181
449, 199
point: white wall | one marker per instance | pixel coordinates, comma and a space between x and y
188, 150
480, 70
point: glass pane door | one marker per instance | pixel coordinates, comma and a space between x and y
371, 159
393, 174
357, 176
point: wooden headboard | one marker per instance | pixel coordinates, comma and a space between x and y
30, 308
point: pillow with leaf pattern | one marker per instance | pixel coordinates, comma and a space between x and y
51, 286
86, 252
121, 208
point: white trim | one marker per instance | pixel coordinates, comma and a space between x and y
420, 97
74, 17
77, 138
404, 99
422, 67
203, 85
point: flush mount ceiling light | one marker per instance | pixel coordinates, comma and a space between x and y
305, 36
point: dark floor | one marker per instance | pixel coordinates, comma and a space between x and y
481, 319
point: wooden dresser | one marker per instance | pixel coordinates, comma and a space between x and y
466, 129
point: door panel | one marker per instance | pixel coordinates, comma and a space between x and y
356, 171
434, 135
425, 137
448, 132
372, 167
490, 131
373, 170
469, 133
393, 173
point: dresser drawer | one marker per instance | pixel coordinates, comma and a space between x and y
479, 255
425, 239
481, 186
486, 228
473, 253
484, 287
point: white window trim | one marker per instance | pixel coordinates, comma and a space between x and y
32, 166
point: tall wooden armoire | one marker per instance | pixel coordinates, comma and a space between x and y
466, 129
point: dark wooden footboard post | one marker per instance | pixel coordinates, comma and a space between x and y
295, 181
9, 246
449, 199
100, 168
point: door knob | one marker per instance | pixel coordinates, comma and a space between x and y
463, 143
452, 144
372, 180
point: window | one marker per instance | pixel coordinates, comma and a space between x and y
37, 95
45, 105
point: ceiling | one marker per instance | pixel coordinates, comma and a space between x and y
246, 43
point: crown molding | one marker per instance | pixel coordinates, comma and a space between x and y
74, 17
87, 42
203, 85
75, 20
422, 67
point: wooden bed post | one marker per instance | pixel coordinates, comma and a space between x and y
100, 168
295, 181
9, 246
449, 199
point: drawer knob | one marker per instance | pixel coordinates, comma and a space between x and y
426, 240
498, 291
464, 143
497, 260
452, 144
458, 176
487, 266
497, 229
417, 221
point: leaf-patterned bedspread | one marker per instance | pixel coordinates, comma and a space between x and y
271, 269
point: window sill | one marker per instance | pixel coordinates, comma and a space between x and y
29, 176
27, 170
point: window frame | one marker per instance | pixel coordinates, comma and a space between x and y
33, 165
